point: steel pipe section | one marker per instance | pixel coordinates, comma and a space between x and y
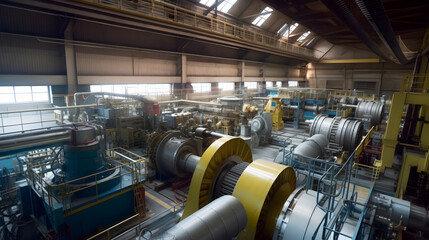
23, 142
374, 110
300, 217
344, 132
313, 147
223, 218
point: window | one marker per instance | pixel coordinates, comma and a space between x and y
309, 42
7, 95
293, 83
24, 94
279, 83
264, 15
134, 89
268, 84
290, 30
303, 36
251, 85
226, 5
208, 3
226, 86
282, 29
202, 87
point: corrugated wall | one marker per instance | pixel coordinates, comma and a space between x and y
371, 77
20, 55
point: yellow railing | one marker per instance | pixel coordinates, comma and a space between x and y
346, 93
415, 83
373, 171
166, 12
362, 143
303, 93
62, 193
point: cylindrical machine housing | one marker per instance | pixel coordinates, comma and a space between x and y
313, 147
373, 110
344, 132
173, 155
82, 156
221, 219
300, 217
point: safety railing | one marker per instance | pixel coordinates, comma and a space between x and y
346, 93
415, 83
362, 171
364, 141
126, 156
162, 220
177, 15
63, 192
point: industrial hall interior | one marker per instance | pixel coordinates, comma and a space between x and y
214, 119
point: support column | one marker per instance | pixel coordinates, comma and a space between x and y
70, 55
241, 73
179, 89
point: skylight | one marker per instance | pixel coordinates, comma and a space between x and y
290, 30
282, 29
208, 3
303, 36
226, 5
310, 41
264, 15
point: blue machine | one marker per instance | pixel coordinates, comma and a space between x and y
82, 191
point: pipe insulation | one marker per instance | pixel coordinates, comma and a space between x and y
374, 12
340, 9
342, 131
223, 218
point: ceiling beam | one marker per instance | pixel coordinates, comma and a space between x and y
213, 6
257, 15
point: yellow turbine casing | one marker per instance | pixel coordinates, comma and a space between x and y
211, 162
263, 188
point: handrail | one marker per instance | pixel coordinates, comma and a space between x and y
62, 192
183, 17
415, 83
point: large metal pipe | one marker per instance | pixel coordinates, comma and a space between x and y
35, 132
313, 147
344, 132
136, 97
19, 144
340, 9
223, 218
374, 12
